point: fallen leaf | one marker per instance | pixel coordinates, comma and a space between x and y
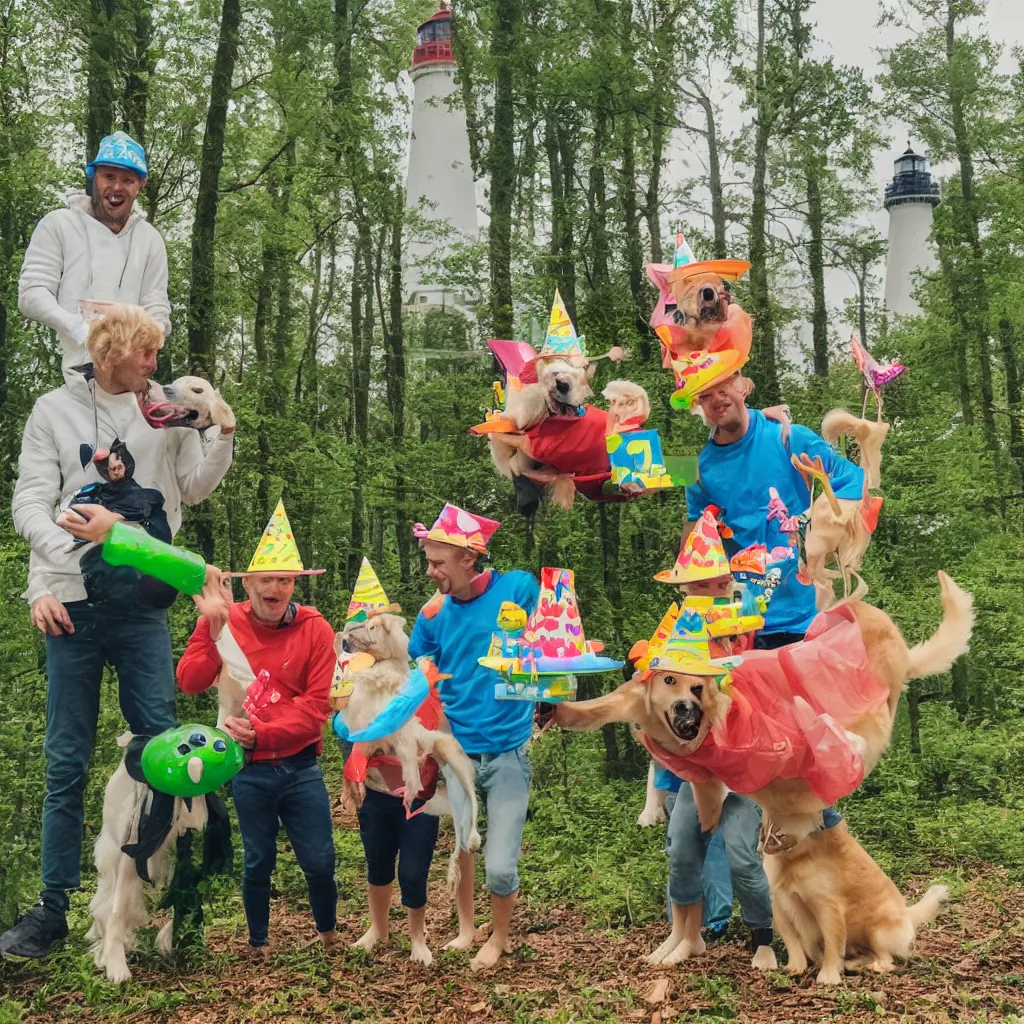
478, 1007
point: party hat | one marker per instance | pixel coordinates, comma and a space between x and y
686, 265
644, 650
701, 555
368, 597
683, 254
699, 371
561, 339
687, 649
459, 528
276, 552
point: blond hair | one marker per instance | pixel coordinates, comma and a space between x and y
121, 331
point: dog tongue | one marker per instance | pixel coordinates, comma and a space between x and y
161, 414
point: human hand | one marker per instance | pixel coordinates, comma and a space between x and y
89, 522
49, 616
241, 731
214, 603
544, 715
352, 794
780, 414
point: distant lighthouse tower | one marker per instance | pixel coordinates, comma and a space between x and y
910, 198
440, 178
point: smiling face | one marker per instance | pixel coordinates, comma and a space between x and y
114, 190
269, 595
724, 406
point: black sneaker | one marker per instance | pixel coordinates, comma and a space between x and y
36, 933
761, 937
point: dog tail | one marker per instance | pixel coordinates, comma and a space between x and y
927, 907
840, 423
454, 871
951, 639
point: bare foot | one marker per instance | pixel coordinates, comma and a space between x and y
464, 940
684, 951
368, 939
421, 955
331, 941
489, 955
658, 955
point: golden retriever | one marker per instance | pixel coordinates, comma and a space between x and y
678, 711
383, 637
187, 402
834, 905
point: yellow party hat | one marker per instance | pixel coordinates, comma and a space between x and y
368, 598
561, 339
276, 553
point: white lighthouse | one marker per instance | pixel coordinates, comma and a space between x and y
440, 178
910, 198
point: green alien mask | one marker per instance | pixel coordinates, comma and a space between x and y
191, 760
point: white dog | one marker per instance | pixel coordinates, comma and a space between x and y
119, 906
188, 402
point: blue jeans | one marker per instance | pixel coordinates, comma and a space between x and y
137, 643
688, 846
716, 883
292, 793
503, 781
388, 836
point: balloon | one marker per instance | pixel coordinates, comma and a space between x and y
393, 716
191, 760
182, 569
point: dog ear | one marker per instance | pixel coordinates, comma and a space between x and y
713, 702
337, 644
222, 413
589, 372
622, 705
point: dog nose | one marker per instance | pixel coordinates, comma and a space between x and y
562, 386
708, 294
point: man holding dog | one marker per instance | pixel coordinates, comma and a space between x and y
281, 783
98, 247
102, 617
455, 629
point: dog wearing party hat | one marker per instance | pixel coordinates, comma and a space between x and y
555, 383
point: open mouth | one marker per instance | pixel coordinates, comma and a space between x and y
161, 415
709, 307
684, 722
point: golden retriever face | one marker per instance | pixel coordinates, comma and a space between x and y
700, 300
382, 636
187, 402
676, 710
565, 383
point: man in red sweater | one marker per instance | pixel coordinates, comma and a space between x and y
281, 783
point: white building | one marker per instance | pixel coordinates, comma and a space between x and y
910, 199
440, 177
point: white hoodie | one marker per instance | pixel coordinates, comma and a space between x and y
51, 471
74, 256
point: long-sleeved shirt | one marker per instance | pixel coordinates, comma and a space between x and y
73, 256
51, 471
299, 658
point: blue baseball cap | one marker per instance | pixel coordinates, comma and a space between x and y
119, 150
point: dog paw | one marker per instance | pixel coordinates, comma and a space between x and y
659, 954
651, 817
117, 968
764, 959
421, 955
881, 966
165, 940
829, 976
797, 964
475, 841
684, 951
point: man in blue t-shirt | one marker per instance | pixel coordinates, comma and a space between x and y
455, 629
746, 455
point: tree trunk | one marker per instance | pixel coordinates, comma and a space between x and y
816, 262
502, 168
599, 243
202, 311
961, 328
961, 688
100, 69
914, 715
634, 254
136, 95
1009, 342
763, 368
559, 144
718, 218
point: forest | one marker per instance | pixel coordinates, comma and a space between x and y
276, 134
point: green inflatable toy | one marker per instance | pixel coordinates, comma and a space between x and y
182, 569
191, 760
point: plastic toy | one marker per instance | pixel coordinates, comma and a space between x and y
540, 659
177, 567
397, 711
876, 375
191, 760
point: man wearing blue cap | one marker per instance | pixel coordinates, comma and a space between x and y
98, 247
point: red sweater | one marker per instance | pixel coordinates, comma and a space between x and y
300, 659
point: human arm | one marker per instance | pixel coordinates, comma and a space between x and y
198, 474
153, 290
39, 283
201, 663
422, 642
301, 719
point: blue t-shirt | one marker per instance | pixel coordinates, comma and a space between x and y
736, 477
458, 635
666, 781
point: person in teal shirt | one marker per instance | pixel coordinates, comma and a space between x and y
746, 455
454, 629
